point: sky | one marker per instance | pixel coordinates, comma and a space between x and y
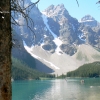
86, 7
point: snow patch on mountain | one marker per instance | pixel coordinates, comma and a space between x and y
45, 36
46, 23
81, 21
56, 40
51, 64
81, 37
29, 50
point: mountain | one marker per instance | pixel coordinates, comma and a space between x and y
66, 28
89, 21
19, 52
86, 53
62, 43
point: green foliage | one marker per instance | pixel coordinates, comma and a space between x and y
20, 71
61, 76
87, 70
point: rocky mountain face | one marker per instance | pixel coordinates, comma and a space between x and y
19, 52
89, 21
59, 38
90, 28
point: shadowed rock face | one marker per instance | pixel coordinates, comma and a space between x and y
68, 49
19, 52
42, 67
89, 21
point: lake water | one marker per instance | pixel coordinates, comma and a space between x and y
58, 89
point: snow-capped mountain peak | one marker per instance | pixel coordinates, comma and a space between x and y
89, 21
56, 10
87, 18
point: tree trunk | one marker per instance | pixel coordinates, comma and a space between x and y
5, 50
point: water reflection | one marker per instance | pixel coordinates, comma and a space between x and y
70, 90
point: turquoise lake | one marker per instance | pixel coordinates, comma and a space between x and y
58, 89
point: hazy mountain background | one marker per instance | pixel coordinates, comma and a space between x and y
62, 42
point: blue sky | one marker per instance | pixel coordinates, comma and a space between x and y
85, 7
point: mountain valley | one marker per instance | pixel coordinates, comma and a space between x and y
61, 43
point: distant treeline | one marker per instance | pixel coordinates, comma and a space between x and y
86, 70
21, 71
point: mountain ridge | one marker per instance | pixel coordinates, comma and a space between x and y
58, 36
